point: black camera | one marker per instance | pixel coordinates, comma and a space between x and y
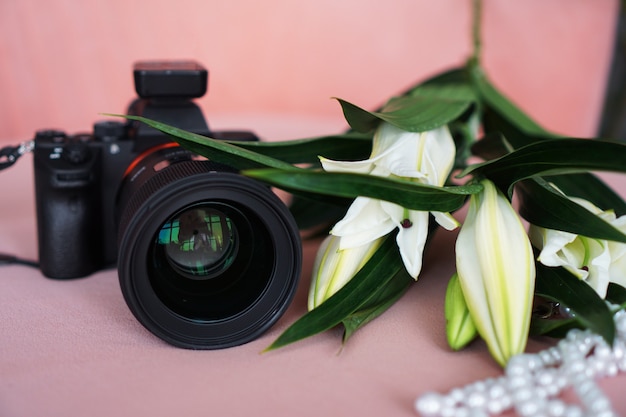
206, 257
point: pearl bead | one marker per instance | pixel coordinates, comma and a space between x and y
523, 394
547, 357
545, 378
585, 387
600, 404
572, 411
477, 413
606, 414
575, 366
618, 350
496, 391
555, 408
611, 369
461, 412
560, 383
476, 399
496, 406
456, 395
565, 311
429, 404
531, 381
528, 408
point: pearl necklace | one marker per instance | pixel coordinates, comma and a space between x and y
531, 382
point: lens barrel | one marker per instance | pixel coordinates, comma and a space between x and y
208, 258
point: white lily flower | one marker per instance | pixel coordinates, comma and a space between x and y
496, 269
334, 267
428, 158
595, 261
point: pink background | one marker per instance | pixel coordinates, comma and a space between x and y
64, 61
73, 348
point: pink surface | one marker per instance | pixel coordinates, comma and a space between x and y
73, 348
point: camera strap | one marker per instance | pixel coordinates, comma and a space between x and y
6, 259
10, 154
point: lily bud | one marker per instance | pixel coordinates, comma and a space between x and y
334, 267
460, 328
496, 271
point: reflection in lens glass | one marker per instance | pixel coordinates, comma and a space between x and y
210, 261
199, 243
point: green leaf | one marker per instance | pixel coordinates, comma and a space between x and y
550, 157
359, 119
426, 104
590, 188
345, 147
213, 149
582, 185
492, 146
557, 284
450, 78
456, 89
542, 205
427, 107
456, 77
616, 294
310, 212
408, 194
552, 327
382, 267
384, 298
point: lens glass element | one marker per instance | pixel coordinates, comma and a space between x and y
210, 260
199, 243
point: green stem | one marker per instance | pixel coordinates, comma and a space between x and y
477, 7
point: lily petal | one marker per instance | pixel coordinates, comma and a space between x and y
385, 137
334, 267
358, 167
406, 161
552, 242
412, 235
427, 155
598, 277
386, 143
364, 222
445, 220
439, 155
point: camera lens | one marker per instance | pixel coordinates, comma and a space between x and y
207, 258
199, 243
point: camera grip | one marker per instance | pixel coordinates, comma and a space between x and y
68, 210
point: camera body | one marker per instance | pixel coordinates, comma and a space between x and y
78, 177
206, 258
